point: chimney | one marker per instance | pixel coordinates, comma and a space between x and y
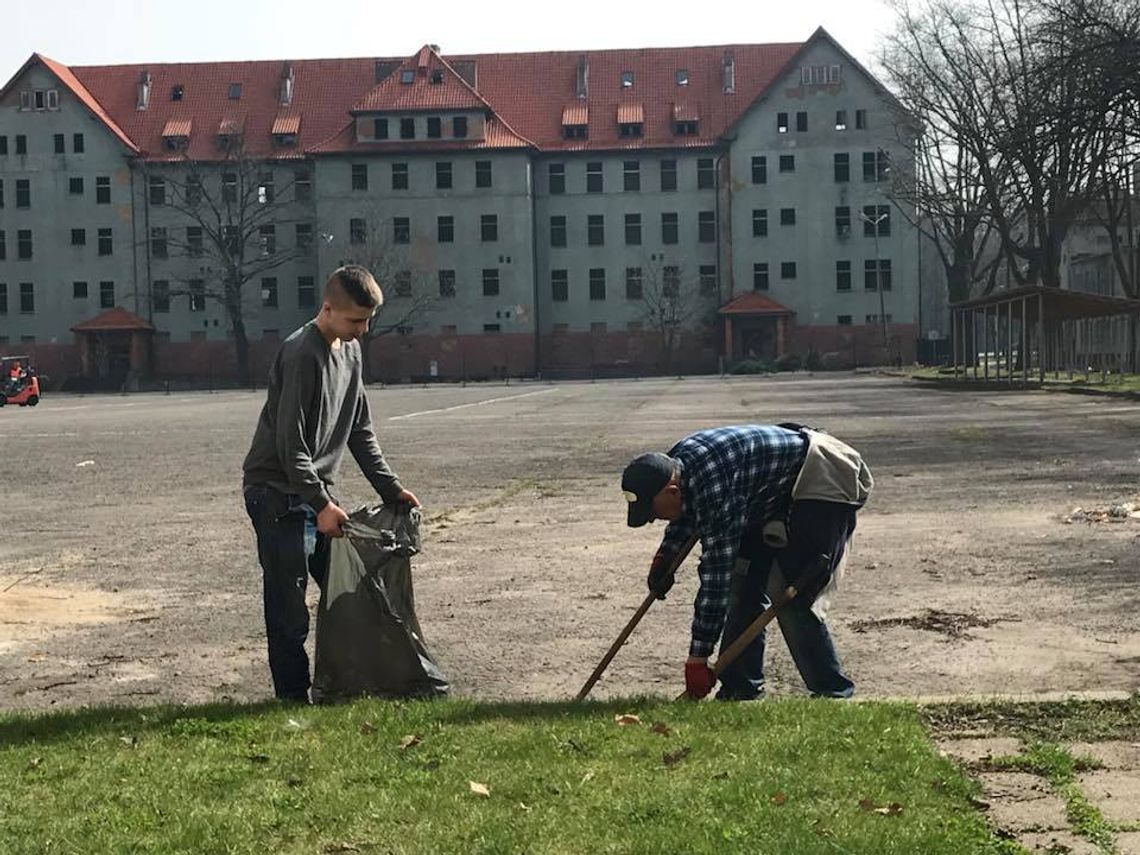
729, 72
582, 83
287, 84
144, 91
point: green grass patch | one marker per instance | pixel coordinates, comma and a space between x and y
786, 776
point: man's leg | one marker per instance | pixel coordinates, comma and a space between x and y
282, 550
743, 680
815, 528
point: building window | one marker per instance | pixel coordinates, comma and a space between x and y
669, 228
106, 245
759, 222
597, 283
876, 166
231, 239
634, 290
59, 143
3, 305
631, 176
79, 237
399, 176
407, 129
106, 295
158, 245
575, 132
787, 163
447, 283
75, 186
235, 91
360, 176
706, 176
401, 230
21, 144
871, 282
3, 245
630, 129
27, 298
781, 123
197, 295
860, 120
79, 290
482, 173
671, 280
356, 230
558, 231
876, 220
668, 175
160, 296
303, 237
874, 319
1, 192
801, 122
302, 185
595, 230
594, 177
229, 187
380, 129
843, 320
306, 292
24, 244
434, 127
193, 190
706, 226
103, 190
491, 282
843, 276
633, 229
787, 216
598, 327
489, 228
559, 286
491, 329
403, 283
194, 240
23, 193
443, 175
842, 167
842, 221
445, 229
407, 76
707, 279
265, 189
267, 236
157, 190
760, 276
759, 169
459, 127
787, 270
840, 120
3, 145
557, 178
685, 128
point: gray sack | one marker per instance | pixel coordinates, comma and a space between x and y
368, 639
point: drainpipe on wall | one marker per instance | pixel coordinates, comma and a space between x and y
532, 189
146, 243
723, 241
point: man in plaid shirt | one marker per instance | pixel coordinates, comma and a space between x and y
728, 485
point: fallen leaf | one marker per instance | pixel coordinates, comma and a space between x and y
342, 847
662, 728
367, 728
892, 809
589, 776
479, 789
672, 758
779, 799
35, 762
410, 741
525, 807
294, 782
258, 758
128, 740
720, 776
83, 463
980, 804
293, 724
623, 720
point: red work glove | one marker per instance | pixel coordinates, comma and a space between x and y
699, 678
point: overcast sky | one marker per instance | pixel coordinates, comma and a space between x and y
80, 32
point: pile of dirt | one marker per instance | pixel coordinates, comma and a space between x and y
1112, 513
950, 624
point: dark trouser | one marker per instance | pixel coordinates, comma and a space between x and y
814, 528
290, 550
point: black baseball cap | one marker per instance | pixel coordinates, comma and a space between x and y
643, 479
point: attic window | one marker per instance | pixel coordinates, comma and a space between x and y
819, 75
575, 122
682, 77
630, 130
407, 76
235, 91
626, 79
630, 119
176, 134
177, 91
685, 129
436, 77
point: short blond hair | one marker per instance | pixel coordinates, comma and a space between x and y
354, 283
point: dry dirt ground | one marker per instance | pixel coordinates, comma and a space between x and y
128, 575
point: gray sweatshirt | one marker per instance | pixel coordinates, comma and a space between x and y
316, 407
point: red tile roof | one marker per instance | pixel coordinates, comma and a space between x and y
630, 114
286, 125
117, 319
526, 96
753, 304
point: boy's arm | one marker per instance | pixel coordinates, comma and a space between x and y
366, 451
298, 390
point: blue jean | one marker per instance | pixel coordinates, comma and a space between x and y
290, 550
814, 529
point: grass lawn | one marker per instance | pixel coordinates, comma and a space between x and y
1111, 382
790, 776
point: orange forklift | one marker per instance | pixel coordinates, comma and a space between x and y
19, 383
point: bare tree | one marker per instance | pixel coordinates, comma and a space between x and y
385, 246
236, 211
672, 301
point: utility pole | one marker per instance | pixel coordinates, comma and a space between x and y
874, 222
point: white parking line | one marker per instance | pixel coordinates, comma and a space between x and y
465, 406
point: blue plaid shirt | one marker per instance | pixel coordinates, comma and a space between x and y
730, 477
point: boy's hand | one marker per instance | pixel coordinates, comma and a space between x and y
330, 519
409, 497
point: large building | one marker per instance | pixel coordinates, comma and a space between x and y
619, 211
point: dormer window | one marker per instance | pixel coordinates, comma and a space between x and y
685, 129
380, 129
626, 79
235, 91
631, 120
285, 131
436, 77
176, 135
229, 133
575, 122
408, 76
177, 91
682, 76
686, 120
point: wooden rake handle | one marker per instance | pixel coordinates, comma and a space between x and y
678, 559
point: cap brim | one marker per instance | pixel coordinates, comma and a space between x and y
640, 513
